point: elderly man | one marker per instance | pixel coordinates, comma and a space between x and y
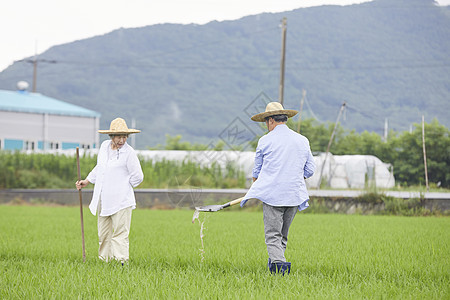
282, 162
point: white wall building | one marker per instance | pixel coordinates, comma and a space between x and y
31, 121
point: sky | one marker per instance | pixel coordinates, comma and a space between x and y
29, 27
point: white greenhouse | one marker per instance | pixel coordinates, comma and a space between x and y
339, 172
352, 172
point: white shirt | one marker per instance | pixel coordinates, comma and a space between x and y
116, 174
282, 162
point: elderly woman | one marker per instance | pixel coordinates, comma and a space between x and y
117, 172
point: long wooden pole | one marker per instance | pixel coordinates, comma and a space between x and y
283, 59
424, 153
35, 69
81, 205
34, 74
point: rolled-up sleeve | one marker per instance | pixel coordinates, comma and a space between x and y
258, 162
135, 170
310, 166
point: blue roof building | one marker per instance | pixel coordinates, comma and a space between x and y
23, 101
32, 121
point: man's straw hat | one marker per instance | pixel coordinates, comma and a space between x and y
119, 126
272, 109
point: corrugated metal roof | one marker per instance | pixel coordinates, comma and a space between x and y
23, 101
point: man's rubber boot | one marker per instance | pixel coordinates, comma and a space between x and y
273, 267
286, 267
281, 267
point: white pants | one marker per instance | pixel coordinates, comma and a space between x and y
113, 234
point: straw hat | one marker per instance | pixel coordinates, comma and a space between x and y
272, 109
119, 126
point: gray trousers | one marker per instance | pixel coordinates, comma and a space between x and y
277, 221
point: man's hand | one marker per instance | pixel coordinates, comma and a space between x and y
81, 184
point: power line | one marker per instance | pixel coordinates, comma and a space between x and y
311, 111
142, 62
445, 64
194, 65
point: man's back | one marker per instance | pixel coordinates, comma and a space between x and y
283, 159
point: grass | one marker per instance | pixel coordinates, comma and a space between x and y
333, 257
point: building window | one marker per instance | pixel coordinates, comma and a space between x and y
54, 145
29, 145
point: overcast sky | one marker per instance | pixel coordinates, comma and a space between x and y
27, 26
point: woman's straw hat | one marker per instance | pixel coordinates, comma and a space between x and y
272, 109
119, 126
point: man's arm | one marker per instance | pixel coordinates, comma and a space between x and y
310, 166
258, 163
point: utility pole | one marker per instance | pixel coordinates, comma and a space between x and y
283, 54
34, 72
329, 143
35, 65
301, 110
424, 153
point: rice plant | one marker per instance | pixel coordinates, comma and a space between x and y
333, 256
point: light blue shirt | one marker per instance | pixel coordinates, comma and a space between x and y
283, 160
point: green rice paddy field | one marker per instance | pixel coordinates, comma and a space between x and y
333, 257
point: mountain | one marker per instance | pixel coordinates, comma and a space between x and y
385, 59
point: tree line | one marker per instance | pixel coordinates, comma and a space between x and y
403, 150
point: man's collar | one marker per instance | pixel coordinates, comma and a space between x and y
280, 125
